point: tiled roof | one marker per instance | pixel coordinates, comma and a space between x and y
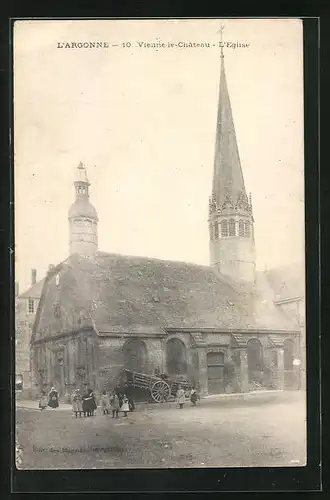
286, 281
143, 295
34, 292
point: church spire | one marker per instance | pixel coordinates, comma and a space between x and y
228, 181
232, 250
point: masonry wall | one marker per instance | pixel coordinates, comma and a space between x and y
23, 331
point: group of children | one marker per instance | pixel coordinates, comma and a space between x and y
115, 403
85, 404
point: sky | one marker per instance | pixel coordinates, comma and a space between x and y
143, 122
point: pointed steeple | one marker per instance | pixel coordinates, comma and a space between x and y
228, 181
232, 250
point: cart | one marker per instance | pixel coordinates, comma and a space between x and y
160, 390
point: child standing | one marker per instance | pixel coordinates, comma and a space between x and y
77, 403
43, 401
115, 405
105, 403
180, 397
125, 406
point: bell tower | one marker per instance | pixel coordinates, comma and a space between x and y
232, 247
83, 218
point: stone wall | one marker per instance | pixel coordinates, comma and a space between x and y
23, 331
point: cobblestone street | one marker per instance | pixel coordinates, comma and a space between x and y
255, 431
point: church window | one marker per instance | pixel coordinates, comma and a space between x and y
135, 355
224, 228
241, 228
57, 310
232, 228
31, 306
216, 231
247, 229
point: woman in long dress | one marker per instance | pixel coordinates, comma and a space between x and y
180, 398
93, 402
53, 398
88, 403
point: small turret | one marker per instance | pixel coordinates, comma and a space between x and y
83, 218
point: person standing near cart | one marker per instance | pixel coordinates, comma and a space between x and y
193, 396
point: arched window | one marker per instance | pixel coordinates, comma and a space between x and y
241, 228
135, 355
232, 228
216, 231
176, 357
247, 229
224, 228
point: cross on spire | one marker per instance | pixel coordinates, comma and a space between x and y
221, 33
228, 181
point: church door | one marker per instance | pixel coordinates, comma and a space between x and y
215, 372
255, 361
176, 357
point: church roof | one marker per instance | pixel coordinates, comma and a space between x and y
227, 176
126, 294
286, 282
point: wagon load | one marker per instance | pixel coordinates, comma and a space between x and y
160, 389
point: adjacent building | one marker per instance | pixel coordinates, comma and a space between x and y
26, 306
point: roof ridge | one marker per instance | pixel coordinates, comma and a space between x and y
157, 259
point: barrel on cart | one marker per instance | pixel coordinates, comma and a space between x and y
160, 390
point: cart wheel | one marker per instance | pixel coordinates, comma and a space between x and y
160, 391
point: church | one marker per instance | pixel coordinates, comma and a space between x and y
218, 325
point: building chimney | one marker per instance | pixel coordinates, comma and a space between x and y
33, 276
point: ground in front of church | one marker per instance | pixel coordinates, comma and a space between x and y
259, 431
